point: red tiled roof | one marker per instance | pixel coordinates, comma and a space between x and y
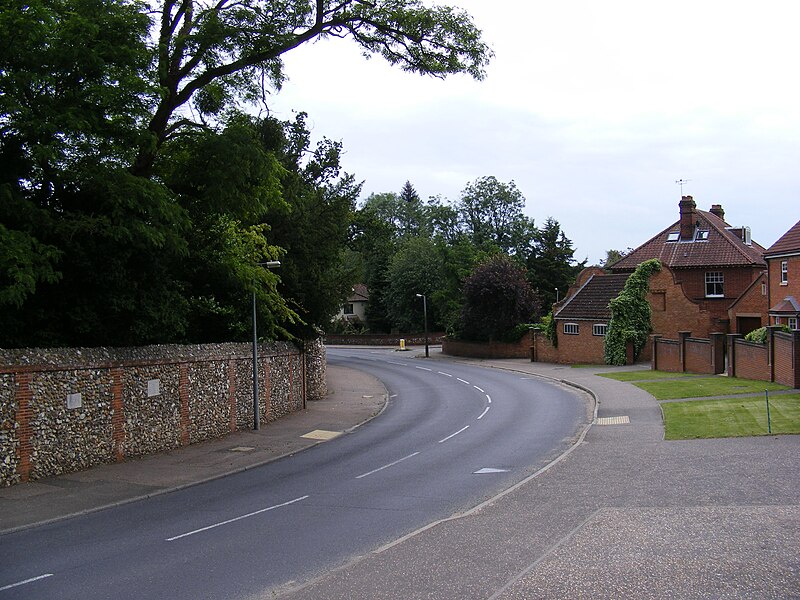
723, 248
590, 302
789, 242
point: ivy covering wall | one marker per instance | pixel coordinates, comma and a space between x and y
630, 315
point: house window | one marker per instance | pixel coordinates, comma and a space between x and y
348, 308
599, 329
714, 284
701, 235
784, 272
763, 289
673, 236
792, 322
571, 328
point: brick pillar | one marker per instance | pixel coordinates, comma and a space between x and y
718, 353
232, 393
682, 337
23, 397
732, 337
654, 360
183, 393
117, 415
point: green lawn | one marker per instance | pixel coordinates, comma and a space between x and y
701, 387
731, 417
640, 375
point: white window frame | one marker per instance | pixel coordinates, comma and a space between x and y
784, 272
572, 329
702, 235
673, 236
792, 322
715, 284
600, 329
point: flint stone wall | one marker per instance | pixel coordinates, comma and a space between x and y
65, 410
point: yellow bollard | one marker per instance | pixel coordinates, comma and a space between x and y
402, 344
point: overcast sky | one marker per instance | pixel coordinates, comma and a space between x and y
594, 109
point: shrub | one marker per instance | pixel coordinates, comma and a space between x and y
759, 336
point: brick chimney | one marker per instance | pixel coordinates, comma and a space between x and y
688, 217
716, 209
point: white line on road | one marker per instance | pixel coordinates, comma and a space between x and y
423, 368
443, 373
391, 464
391, 362
252, 514
479, 389
27, 581
462, 380
489, 398
452, 435
485, 410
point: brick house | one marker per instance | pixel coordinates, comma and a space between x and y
717, 268
783, 260
713, 280
582, 319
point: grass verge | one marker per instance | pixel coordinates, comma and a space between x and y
644, 375
703, 387
733, 417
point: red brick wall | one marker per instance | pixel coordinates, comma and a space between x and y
778, 292
672, 311
521, 349
751, 361
753, 303
698, 356
582, 348
668, 356
545, 352
787, 358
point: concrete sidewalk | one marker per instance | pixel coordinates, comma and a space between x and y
353, 398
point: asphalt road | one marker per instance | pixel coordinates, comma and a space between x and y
452, 436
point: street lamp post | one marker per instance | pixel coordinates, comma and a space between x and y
425, 313
256, 417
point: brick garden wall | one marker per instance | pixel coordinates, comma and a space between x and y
380, 339
521, 349
65, 410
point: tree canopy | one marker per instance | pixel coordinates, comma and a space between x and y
137, 199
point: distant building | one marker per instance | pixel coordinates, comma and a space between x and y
355, 307
783, 258
713, 280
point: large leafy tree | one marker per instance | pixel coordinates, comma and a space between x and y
212, 54
492, 215
416, 268
497, 298
551, 262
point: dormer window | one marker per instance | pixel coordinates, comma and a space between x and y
673, 236
702, 235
